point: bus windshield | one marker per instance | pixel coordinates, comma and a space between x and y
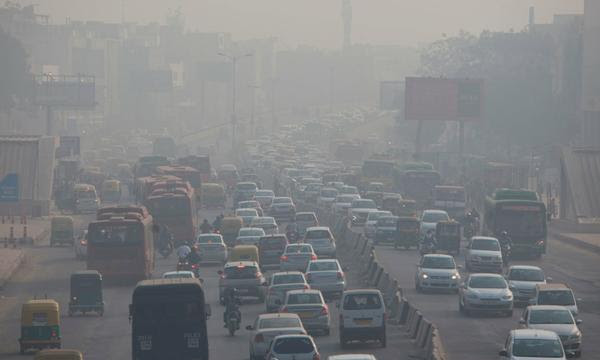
521, 223
170, 207
114, 233
168, 313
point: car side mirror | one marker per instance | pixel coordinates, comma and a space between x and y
249, 328
207, 310
578, 321
549, 279
522, 321
503, 353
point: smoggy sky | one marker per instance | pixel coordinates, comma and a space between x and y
318, 22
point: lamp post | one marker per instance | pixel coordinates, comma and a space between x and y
234, 59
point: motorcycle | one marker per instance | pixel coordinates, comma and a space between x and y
233, 321
427, 247
505, 249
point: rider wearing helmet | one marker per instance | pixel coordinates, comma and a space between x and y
205, 227
505, 239
232, 302
194, 257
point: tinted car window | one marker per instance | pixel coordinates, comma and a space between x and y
305, 217
526, 275
293, 346
431, 262
279, 323
487, 282
288, 279
323, 266
434, 217
240, 272
557, 297
317, 234
362, 302
485, 244
540, 348
304, 299
276, 242
550, 317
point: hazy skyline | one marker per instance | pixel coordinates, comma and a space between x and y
318, 22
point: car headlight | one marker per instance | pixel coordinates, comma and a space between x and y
472, 296
424, 276
507, 297
455, 276
576, 336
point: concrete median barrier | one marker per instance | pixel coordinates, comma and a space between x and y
383, 283
413, 324
423, 333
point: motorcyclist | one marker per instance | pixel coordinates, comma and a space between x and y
232, 303
291, 231
429, 239
218, 222
194, 257
472, 221
505, 246
205, 227
183, 251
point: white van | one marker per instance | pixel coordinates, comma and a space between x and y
86, 198
362, 316
555, 294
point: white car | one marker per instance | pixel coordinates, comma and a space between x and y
326, 275
430, 218
296, 257
267, 223
558, 319
522, 280
293, 347
370, 224
326, 197
310, 306
483, 255
212, 248
247, 215
265, 198
485, 293
437, 271
362, 316
279, 284
529, 344
322, 241
342, 203
266, 327
178, 275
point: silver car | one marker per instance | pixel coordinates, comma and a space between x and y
245, 276
370, 225
522, 280
280, 283
322, 241
486, 293
310, 307
326, 275
558, 319
266, 327
212, 248
437, 271
293, 347
296, 257
483, 255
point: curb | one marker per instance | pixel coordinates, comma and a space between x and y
12, 269
575, 242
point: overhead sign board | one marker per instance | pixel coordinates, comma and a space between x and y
439, 99
77, 91
9, 188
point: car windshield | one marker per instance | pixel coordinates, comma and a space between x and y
387, 222
537, 348
282, 201
433, 217
306, 217
247, 240
246, 212
431, 262
526, 275
294, 345
178, 275
344, 198
298, 249
324, 266
487, 282
248, 204
264, 193
304, 298
263, 221
246, 186
274, 323
374, 215
240, 272
556, 297
251, 232
329, 193
485, 244
349, 190
288, 279
562, 316
210, 239
362, 302
364, 204
318, 234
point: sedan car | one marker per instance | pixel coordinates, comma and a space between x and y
266, 327
322, 241
267, 223
280, 283
293, 347
247, 215
283, 208
529, 344
212, 248
522, 280
369, 228
326, 275
297, 257
558, 319
437, 271
483, 255
310, 307
486, 293
430, 218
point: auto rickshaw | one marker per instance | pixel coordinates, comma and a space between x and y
244, 253
447, 236
61, 230
111, 191
40, 325
58, 354
230, 226
86, 293
407, 208
407, 232
212, 195
390, 202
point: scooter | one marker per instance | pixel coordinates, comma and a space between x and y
505, 249
233, 322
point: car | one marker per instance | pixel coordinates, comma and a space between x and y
270, 248
522, 280
362, 316
338, 185
359, 210
483, 255
326, 275
555, 294
247, 215
251, 204
385, 230
326, 197
283, 208
529, 344
81, 245
293, 347
245, 276
310, 306
264, 197
437, 271
352, 357
312, 191
251, 231
430, 218
342, 203
296, 257
372, 216
279, 284
485, 293
178, 275
267, 223
247, 240
349, 190
558, 319
304, 220
322, 240
212, 248
244, 191
266, 327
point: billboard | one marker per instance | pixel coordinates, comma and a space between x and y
391, 95
439, 99
9, 188
65, 90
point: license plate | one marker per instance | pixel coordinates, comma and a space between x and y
363, 321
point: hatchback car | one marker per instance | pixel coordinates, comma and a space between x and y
247, 215
293, 347
245, 276
483, 255
430, 218
212, 248
296, 257
311, 308
558, 319
522, 280
322, 241
326, 275
267, 223
268, 326
529, 344
555, 294
370, 224
280, 283
486, 293
304, 220
283, 208
437, 271
362, 316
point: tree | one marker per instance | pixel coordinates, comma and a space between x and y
15, 79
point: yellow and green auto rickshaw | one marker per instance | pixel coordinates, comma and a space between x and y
212, 196
86, 293
111, 191
61, 230
40, 325
407, 232
230, 227
58, 354
244, 253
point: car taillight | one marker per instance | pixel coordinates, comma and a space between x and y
259, 338
340, 275
325, 310
313, 257
53, 333
317, 356
284, 258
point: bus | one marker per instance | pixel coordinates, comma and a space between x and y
452, 199
175, 206
164, 146
522, 215
120, 243
185, 173
416, 181
200, 163
146, 165
168, 320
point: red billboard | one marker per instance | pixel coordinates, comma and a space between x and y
440, 99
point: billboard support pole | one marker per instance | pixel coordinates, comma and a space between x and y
417, 155
48, 120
